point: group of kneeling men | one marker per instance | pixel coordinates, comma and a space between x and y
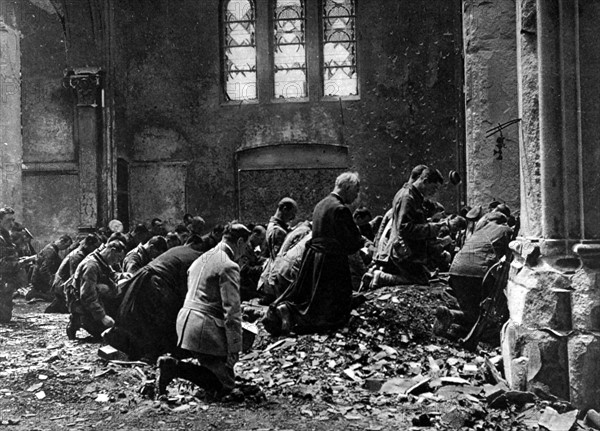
187, 300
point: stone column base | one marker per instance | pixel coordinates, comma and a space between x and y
552, 340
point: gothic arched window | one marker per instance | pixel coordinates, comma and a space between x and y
239, 50
339, 48
289, 49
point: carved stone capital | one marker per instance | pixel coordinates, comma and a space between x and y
86, 83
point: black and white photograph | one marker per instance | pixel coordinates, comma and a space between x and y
295, 215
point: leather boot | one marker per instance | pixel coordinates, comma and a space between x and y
73, 326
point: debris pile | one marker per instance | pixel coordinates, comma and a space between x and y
386, 370
387, 365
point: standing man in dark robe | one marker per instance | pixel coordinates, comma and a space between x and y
145, 324
321, 297
47, 263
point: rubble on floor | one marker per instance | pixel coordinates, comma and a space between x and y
386, 370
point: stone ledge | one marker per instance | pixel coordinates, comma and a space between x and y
589, 255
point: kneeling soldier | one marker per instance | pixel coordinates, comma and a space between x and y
92, 291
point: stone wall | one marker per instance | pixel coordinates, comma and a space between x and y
54, 36
409, 112
163, 108
11, 152
490, 100
552, 340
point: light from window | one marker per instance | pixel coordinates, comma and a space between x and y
240, 50
339, 48
289, 59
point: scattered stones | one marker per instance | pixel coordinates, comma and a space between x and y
551, 420
592, 418
325, 377
108, 353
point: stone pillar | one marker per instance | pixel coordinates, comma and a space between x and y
552, 340
87, 85
490, 99
11, 146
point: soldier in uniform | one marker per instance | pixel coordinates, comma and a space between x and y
143, 254
212, 238
47, 263
9, 264
195, 228
66, 269
481, 251
409, 224
145, 323
209, 326
277, 230
251, 263
92, 293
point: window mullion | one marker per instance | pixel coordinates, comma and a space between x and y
313, 49
264, 59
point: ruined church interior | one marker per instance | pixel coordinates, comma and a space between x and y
136, 110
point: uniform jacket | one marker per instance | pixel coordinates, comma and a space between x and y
9, 258
68, 266
410, 222
136, 259
251, 267
210, 321
276, 233
47, 263
483, 248
92, 271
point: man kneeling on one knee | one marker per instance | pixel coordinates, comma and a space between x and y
92, 291
209, 326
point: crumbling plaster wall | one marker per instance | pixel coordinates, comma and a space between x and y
409, 112
50, 183
11, 152
491, 99
168, 112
